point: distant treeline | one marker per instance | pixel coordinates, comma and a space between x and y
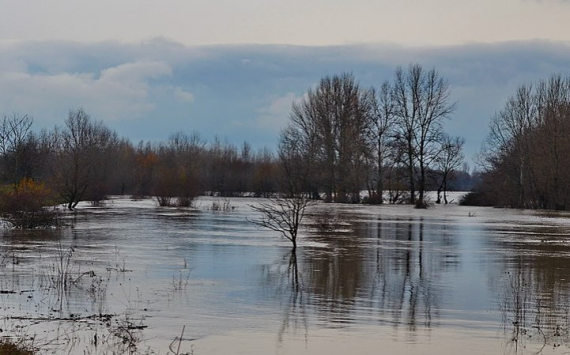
84, 160
526, 158
341, 139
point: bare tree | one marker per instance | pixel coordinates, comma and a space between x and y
380, 133
299, 168
176, 176
265, 174
508, 137
449, 159
329, 123
81, 146
421, 103
16, 141
526, 156
283, 214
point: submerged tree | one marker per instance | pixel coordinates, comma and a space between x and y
447, 161
283, 214
327, 126
79, 163
380, 134
421, 103
527, 153
176, 176
348, 139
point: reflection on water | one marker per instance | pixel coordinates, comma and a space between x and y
438, 281
376, 272
535, 303
287, 283
388, 269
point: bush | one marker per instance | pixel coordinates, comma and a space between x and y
175, 190
26, 206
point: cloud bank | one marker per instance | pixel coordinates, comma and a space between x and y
244, 92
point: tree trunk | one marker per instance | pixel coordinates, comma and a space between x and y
380, 183
411, 172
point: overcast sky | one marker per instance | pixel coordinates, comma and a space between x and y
312, 22
233, 68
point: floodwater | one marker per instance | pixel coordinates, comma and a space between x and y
134, 277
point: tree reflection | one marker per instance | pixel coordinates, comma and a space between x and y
405, 275
294, 312
534, 292
369, 271
286, 282
530, 320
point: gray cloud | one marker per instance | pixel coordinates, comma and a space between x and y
244, 92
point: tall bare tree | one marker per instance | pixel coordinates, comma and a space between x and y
81, 146
527, 153
380, 133
330, 123
16, 143
421, 103
178, 167
507, 137
447, 161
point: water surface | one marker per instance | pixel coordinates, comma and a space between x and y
383, 278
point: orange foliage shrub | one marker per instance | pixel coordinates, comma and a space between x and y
26, 205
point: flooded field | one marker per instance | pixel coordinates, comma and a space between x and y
134, 277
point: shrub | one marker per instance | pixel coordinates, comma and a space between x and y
173, 189
26, 206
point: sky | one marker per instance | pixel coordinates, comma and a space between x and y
232, 69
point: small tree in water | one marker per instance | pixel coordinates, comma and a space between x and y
283, 214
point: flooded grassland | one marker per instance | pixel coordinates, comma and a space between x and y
130, 277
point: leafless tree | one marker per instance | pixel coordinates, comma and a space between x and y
380, 134
421, 100
448, 160
329, 125
507, 137
283, 214
178, 166
299, 168
16, 143
81, 146
265, 177
526, 155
